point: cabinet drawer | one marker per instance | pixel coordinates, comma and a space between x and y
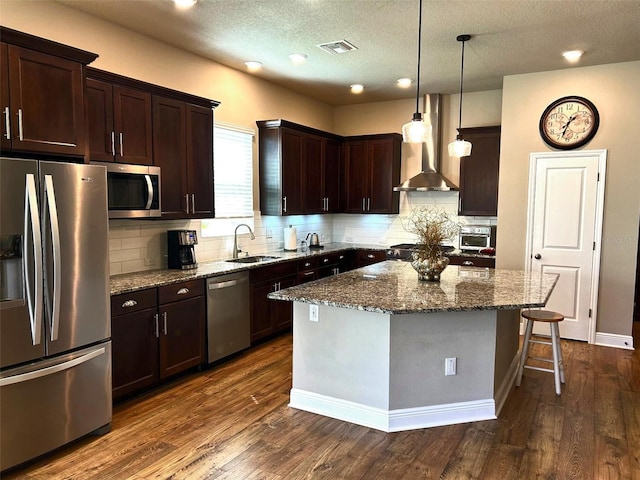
308, 263
180, 291
133, 302
472, 261
371, 256
329, 259
273, 272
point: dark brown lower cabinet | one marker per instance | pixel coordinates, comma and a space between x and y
368, 257
269, 317
470, 261
156, 333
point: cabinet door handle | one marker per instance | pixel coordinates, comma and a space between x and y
193, 203
129, 303
157, 330
113, 143
164, 322
186, 197
363, 200
183, 291
121, 144
467, 263
7, 123
284, 208
368, 204
20, 130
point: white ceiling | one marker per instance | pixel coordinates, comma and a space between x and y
508, 37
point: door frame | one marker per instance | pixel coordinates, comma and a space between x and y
599, 212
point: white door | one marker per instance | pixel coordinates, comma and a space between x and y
566, 192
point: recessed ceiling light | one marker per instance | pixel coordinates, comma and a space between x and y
404, 82
572, 55
339, 46
253, 66
357, 88
298, 58
185, 3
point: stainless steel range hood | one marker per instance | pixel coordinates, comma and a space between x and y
430, 178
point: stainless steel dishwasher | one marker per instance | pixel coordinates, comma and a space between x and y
228, 315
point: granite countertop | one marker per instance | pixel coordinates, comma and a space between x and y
131, 282
393, 287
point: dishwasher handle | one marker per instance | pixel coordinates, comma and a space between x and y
227, 284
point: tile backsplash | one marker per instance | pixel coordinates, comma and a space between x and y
137, 245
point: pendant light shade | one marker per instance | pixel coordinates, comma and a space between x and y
417, 130
460, 147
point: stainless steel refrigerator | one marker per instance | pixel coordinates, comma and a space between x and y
55, 348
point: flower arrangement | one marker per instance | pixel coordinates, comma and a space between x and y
432, 226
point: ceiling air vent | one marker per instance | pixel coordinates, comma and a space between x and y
339, 46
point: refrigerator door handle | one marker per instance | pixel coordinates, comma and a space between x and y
25, 377
149, 192
32, 222
57, 261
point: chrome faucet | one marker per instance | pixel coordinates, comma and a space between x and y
235, 239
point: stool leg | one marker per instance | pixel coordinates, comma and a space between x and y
560, 352
525, 350
555, 344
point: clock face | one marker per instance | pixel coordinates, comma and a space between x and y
569, 122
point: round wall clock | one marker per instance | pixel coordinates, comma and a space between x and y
569, 122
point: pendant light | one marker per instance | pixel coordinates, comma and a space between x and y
460, 147
417, 131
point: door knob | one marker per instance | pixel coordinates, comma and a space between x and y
537, 256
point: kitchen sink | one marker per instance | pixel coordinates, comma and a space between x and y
253, 259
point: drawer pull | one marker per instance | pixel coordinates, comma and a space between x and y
183, 291
129, 303
306, 274
325, 260
307, 264
371, 256
467, 263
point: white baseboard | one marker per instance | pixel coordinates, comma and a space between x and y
614, 340
393, 420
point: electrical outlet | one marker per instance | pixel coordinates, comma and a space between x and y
313, 313
148, 262
269, 233
450, 366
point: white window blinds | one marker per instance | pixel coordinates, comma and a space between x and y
233, 171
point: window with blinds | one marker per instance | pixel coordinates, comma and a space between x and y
233, 179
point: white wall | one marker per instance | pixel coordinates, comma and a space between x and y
614, 90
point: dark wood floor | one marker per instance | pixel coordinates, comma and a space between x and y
232, 422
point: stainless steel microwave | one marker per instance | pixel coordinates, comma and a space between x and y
477, 237
133, 190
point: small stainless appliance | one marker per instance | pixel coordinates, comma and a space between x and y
477, 237
314, 240
55, 327
181, 249
228, 315
133, 190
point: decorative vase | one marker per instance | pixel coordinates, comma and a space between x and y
429, 269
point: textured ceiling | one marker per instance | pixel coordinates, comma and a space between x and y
509, 37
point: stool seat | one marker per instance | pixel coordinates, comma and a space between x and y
552, 318
542, 315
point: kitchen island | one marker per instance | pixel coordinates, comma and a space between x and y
373, 353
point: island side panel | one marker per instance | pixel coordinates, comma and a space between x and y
345, 355
507, 345
419, 345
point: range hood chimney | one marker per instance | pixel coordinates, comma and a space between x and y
430, 178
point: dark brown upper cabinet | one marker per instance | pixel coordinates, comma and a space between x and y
479, 172
299, 169
183, 149
370, 170
42, 94
120, 127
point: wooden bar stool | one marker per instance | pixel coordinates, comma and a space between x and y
552, 318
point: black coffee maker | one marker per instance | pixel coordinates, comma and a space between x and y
181, 249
